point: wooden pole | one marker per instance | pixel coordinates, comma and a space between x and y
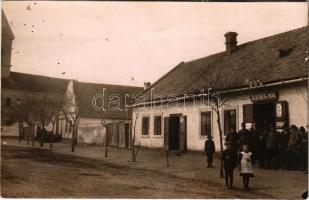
221, 143
136, 151
166, 153
33, 135
28, 135
19, 132
106, 140
73, 142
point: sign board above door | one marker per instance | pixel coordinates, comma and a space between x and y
264, 96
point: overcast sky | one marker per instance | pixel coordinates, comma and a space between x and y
133, 42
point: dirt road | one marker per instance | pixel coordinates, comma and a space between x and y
28, 172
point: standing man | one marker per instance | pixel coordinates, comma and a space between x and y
293, 147
283, 139
232, 138
209, 150
261, 147
304, 148
244, 137
229, 159
253, 142
271, 147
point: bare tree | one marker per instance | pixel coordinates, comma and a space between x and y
70, 110
23, 112
45, 108
134, 153
216, 101
104, 125
54, 109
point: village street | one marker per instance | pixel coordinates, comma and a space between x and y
40, 172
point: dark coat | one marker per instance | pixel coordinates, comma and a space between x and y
243, 137
209, 147
229, 159
232, 138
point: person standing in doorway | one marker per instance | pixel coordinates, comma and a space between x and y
243, 136
253, 142
283, 138
304, 148
229, 163
209, 150
246, 171
271, 147
261, 146
293, 147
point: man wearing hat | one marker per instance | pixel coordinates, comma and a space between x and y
229, 159
209, 150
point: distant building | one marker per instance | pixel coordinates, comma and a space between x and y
99, 102
16, 86
7, 38
15, 89
262, 82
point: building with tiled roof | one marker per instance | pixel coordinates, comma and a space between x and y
16, 86
262, 82
107, 102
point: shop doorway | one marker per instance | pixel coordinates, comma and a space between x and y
127, 134
174, 129
264, 115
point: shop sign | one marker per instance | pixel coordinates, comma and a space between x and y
265, 96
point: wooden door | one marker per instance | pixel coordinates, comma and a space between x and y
127, 134
166, 133
183, 133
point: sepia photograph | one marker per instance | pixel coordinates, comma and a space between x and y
154, 100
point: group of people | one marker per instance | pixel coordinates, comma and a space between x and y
286, 149
274, 149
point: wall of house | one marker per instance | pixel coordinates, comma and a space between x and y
295, 96
10, 131
195, 141
90, 130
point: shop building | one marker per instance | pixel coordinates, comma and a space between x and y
264, 82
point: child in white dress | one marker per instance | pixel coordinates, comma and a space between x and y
246, 170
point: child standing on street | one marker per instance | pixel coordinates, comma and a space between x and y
209, 150
229, 159
246, 170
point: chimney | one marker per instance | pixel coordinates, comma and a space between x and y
146, 85
231, 42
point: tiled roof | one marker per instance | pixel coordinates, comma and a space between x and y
34, 83
86, 91
275, 58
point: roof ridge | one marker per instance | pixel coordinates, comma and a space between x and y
274, 36
250, 42
107, 84
162, 77
259, 51
38, 75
